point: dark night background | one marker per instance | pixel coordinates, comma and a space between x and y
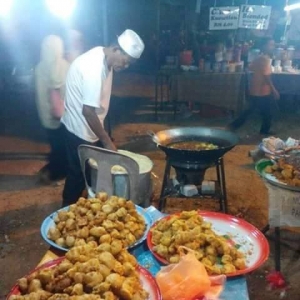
159, 22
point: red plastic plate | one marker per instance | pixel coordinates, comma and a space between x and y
251, 241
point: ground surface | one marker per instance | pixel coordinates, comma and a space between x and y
24, 203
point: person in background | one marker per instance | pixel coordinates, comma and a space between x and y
262, 92
50, 76
87, 99
75, 45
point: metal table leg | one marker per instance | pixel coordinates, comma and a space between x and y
276, 245
277, 248
222, 183
156, 96
163, 194
219, 182
108, 122
161, 85
168, 88
265, 229
174, 109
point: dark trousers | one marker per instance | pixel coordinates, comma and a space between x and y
264, 105
75, 183
57, 165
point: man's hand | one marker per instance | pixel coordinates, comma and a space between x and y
109, 145
91, 117
276, 95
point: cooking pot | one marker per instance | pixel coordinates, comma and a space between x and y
190, 165
224, 139
121, 180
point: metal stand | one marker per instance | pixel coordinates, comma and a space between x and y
162, 79
219, 194
276, 245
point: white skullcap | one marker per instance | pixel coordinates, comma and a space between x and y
131, 43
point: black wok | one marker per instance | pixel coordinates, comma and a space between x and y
224, 139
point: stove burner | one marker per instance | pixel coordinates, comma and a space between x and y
189, 176
192, 172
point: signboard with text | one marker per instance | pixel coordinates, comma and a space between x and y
255, 17
222, 18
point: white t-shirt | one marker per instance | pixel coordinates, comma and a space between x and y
89, 82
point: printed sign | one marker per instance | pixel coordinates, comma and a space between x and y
284, 207
255, 17
222, 18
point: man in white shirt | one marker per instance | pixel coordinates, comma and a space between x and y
88, 90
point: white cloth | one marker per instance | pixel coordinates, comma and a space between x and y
284, 207
89, 82
50, 73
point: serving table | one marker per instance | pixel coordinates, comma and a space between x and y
287, 83
284, 207
235, 288
224, 90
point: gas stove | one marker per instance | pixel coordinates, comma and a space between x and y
189, 182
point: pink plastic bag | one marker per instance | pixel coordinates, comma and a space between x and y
188, 280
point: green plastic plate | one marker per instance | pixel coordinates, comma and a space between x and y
260, 168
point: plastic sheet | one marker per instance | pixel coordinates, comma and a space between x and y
284, 207
188, 280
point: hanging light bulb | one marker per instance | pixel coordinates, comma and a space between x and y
292, 6
62, 8
5, 7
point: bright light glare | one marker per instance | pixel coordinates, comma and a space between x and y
5, 7
62, 8
292, 7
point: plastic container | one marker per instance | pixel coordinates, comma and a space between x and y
224, 66
278, 53
237, 53
277, 66
231, 68
229, 55
277, 63
290, 53
217, 67
201, 65
186, 58
121, 178
252, 55
207, 66
239, 67
278, 69
219, 56
287, 65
